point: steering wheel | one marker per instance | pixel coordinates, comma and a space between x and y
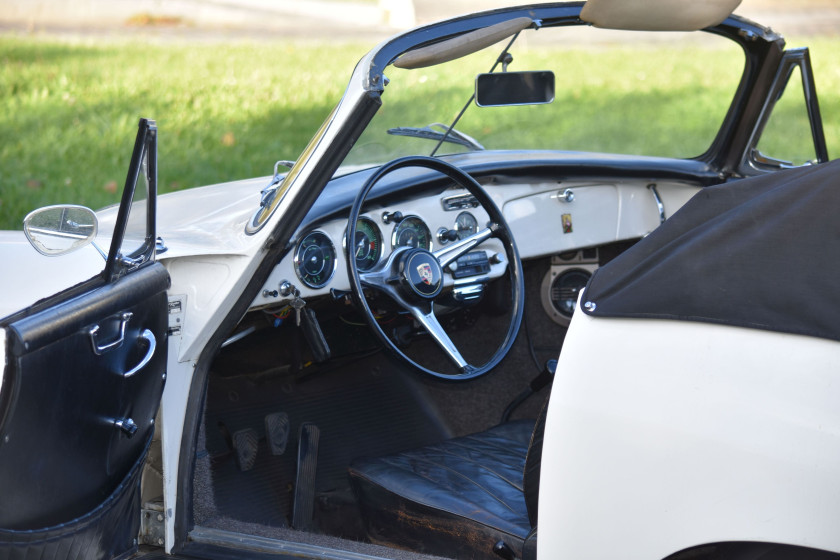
414, 277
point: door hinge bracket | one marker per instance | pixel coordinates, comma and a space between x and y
152, 524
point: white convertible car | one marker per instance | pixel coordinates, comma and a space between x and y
357, 356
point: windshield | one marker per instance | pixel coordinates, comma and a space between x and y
635, 93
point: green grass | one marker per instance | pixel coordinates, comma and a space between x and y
69, 111
631, 101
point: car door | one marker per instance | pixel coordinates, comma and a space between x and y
82, 382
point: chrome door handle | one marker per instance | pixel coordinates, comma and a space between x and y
94, 332
149, 337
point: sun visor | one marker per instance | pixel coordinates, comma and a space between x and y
462, 45
657, 15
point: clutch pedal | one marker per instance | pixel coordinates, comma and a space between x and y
245, 443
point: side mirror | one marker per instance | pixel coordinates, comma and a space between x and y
58, 230
514, 88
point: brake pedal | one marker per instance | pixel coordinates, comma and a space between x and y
304, 505
277, 428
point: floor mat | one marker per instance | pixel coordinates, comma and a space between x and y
368, 409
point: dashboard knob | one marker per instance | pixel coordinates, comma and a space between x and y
392, 217
568, 195
446, 235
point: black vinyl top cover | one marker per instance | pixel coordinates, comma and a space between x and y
762, 253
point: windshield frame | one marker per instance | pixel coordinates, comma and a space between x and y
762, 48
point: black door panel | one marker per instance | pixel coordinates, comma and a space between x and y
82, 383
73, 417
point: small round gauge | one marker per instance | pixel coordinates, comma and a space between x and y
315, 259
412, 232
367, 248
465, 225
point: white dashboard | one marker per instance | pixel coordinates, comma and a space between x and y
546, 218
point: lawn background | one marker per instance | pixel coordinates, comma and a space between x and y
69, 111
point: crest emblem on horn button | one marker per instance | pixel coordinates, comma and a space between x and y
425, 272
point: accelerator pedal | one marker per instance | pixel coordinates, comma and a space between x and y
304, 505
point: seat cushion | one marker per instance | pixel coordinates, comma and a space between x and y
456, 498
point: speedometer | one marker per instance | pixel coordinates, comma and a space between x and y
315, 259
412, 232
367, 247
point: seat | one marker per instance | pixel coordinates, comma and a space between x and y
461, 498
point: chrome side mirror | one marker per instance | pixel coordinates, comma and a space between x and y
58, 230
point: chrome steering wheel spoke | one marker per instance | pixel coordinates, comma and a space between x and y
383, 276
433, 327
450, 253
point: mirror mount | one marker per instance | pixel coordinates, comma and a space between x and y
505, 59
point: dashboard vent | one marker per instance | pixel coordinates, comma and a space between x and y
459, 202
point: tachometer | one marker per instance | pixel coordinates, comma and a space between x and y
367, 247
412, 232
315, 259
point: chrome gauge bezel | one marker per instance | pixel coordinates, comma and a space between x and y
471, 230
301, 246
400, 226
364, 267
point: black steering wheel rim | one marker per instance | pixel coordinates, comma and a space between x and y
499, 229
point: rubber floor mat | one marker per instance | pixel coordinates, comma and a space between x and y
367, 409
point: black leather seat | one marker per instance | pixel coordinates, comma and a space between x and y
458, 498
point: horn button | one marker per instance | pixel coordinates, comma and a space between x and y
421, 274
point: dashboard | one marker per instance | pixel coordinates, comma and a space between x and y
562, 219
318, 263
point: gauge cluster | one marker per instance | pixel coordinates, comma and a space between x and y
318, 263
543, 218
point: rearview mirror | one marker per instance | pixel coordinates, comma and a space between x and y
58, 230
514, 88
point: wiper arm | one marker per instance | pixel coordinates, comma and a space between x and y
268, 191
445, 134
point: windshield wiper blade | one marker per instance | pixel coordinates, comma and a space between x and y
430, 133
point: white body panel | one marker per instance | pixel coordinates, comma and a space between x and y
688, 433
29, 276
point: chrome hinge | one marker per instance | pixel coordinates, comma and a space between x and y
176, 315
